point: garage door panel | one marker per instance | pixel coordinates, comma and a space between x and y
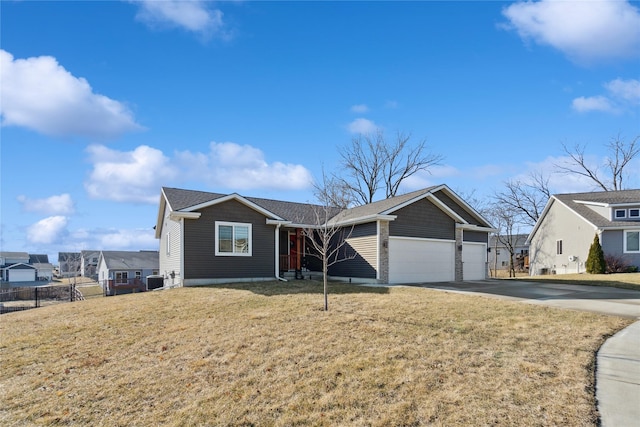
419, 260
474, 264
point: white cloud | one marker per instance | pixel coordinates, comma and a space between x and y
40, 94
627, 90
592, 103
192, 15
134, 239
60, 204
621, 94
359, 108
241, 167
48, 230
128, 176
585, 31
362, 126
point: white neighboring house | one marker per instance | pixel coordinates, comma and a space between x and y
43, 267
126, 271
499, 254
559, 243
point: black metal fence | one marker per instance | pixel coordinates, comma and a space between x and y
25, 298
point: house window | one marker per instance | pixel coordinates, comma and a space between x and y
233, 239
138, 275
497, 251
621, 213
558, 247
634, 213
632, 241
122, 277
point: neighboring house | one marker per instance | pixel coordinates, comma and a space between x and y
15, 267
69, 264
44, 269
428, 235
89, 264
126, 271
499, 253
559, 243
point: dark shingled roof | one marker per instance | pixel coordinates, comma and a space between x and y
302, 213
298, 213
608, 197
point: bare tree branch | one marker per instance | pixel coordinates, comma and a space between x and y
620, 155
371, 162
526, 199
327, 238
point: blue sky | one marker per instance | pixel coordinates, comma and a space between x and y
105, 102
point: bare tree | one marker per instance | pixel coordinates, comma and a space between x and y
327, 237
505, 220
620, 153
525, 199
371, 163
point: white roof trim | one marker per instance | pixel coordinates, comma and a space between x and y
546, 210
473, 227
175, 216
446, 209
363, 219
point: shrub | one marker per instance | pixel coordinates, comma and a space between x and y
618, 264
595, 261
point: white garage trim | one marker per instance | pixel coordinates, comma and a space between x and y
474, 261
22, 275
413, 260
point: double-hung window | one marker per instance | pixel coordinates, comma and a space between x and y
558, 247
632, 241
233, 239
122, 277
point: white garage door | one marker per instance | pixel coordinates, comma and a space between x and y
474, 257
22, 275
420, 260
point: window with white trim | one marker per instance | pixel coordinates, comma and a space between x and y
233, 239
122, 277
634, 213
558, 247
168, 243
632, 241
621, 213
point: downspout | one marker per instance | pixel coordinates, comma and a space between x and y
277, 240
182, 251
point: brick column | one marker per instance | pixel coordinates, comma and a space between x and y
458, 256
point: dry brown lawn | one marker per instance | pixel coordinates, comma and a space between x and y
265, 354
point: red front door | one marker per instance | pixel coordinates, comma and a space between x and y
293, 251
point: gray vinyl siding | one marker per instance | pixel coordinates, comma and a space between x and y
613, 244
422, 219
362, 245
200, 260
475, 236
456, 208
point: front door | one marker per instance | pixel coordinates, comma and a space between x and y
293, 251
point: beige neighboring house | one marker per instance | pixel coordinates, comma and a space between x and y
559, 243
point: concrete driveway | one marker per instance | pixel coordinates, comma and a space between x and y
605, 300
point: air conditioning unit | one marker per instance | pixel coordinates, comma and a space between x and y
573, 258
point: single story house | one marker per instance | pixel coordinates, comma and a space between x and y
24, 267
126, 271
429, 235
559, 243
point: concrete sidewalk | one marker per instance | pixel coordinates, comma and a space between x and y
618, 379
